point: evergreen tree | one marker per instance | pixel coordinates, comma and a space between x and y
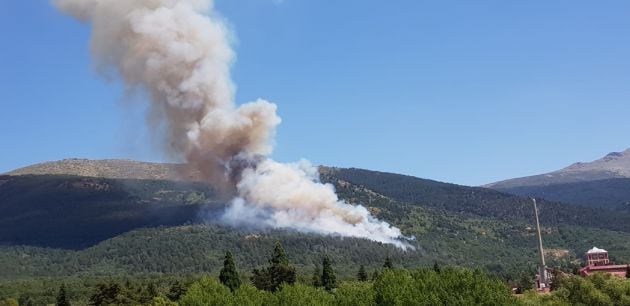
108, 294
329, 279
228, 275
128, 285
176, 291
278, 272
525, 282
555, 279
133, 291
152, 290
575, 270
388, 263
362, 275
278, 257
146, 295
375, 275
62, 298
436, 267
25, 300
316, 278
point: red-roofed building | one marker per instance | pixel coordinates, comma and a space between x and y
597, 261
597, 257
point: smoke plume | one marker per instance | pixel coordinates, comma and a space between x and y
178, 51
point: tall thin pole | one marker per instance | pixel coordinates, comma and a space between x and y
543, 276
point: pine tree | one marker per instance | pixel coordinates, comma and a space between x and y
278, 257
362, 276
228, 275
525, 282
106, 294
62, 298
575, 270
134, 292
388, 263
375, 275
278, 272
25, 301
329, 279
146, 295
176, 291
316, 278
555, 279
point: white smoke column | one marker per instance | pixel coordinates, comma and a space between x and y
291, 196
179, 52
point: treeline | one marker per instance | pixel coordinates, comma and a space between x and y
502, 249
277, 284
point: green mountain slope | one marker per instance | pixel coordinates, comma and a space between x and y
477, 201
75, 212
500, 247
105, 226
609, 193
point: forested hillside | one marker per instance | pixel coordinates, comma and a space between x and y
76, 212
477, 201
106, 227
609, 193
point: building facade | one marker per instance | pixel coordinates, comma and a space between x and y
597, 261
597, 257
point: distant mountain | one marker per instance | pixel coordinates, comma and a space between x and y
613, 165
601, 183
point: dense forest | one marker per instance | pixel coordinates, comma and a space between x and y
477, 201
73, 212
277, 284
613, 193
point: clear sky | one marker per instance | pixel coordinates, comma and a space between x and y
468, 92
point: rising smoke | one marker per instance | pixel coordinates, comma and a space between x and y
179, 52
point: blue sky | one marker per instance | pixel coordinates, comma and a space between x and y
468, 92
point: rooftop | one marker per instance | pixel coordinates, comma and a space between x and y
596, 250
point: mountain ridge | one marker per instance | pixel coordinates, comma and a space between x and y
110, 168
602, 183
612, 165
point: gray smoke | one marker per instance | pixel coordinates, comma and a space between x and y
179, 52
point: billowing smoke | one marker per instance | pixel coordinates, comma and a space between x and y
179, 52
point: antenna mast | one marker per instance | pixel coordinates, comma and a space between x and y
542, 271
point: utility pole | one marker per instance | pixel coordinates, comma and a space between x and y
542, 271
